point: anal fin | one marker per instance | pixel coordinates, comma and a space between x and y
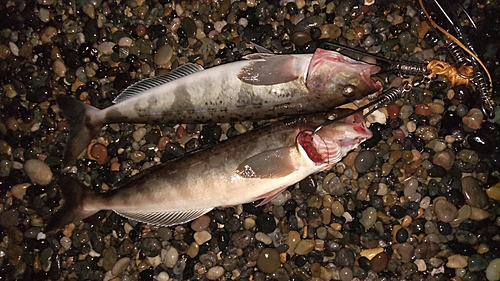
165, 218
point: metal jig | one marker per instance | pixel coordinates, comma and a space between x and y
383, 99
480, 76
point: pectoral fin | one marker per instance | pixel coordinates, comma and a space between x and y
268, 164
269, 70
165, 218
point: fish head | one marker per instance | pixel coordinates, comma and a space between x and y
347, 79
332, 142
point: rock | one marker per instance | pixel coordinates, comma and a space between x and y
163, 55
215, 272
445, 211
493, 270
305, 246
473, 119
120, 266
379, 262
368, 217
38, 171
200, 223
474, 194
201, 237
169, 257
456, 261
292, 240
269, 260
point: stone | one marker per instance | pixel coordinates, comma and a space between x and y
474, 194
200, 223
473, 119
38, 171
445, 211
292, 240
456, 261
201, 237
268, 261
169, 257
163, 55
493, 270
215, 272
304, 247
120, 266
379, 262
368, 217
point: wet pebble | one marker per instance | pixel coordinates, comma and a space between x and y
163, 55
473, 119
493, 270
120, 266
150, 246
269, 260
474, 194
364, 161
202, 236
379, 262
445, 211
38, 171
304, 247
215, 272
200, 223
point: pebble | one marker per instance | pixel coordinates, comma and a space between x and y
120, 266
163, 55
304, 247
292, 240
445, 211
19, 190
264, 238
474, 194
139, 134
98, 152
493, 270
379, 262
364, 161
368, 217
370, 253
215, 272
200, 223
202, 236
269, 260
473, 119
169, 257
456, 261
38, 171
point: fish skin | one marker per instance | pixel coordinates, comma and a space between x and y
257, 165
261, 87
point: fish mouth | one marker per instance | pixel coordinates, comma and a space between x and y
366, 76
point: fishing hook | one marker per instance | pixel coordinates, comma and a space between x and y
383, 99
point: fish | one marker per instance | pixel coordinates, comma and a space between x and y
262, 86
249, 167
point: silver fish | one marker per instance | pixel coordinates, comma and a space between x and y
257, 165
262, 86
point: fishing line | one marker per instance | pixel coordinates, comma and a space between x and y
441, 66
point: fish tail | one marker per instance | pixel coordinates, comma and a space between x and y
74, 194
82, 128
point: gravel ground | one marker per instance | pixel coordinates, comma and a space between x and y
418, 201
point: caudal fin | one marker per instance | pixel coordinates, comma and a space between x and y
81, 129
74, 193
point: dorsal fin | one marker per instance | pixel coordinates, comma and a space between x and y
148, 83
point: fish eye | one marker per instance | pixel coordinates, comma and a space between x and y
348, 91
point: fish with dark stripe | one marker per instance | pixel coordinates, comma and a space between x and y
260, 87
